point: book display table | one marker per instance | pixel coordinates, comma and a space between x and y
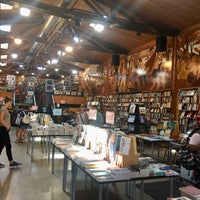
153, 139
46, 135
104, 173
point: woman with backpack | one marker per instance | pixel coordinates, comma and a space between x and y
24, 125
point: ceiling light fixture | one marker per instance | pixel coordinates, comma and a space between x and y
97, 27
41, 68
76, 39
74, 71
25, 12
68, 49
14, 55
61, 53
53, 61
3, 57
17, 41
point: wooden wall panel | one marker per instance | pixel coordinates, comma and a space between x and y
69, 99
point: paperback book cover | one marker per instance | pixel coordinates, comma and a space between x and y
125, 145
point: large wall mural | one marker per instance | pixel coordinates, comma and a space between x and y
142, 71
188, 60
146, 70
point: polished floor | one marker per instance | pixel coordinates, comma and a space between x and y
34, 180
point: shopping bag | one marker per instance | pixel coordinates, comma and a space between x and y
18, 120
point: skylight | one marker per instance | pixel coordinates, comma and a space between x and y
2, 64
5, 7
4, 46
6, 28
4, 57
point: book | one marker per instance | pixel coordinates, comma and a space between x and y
132, 108
131, 118
125, 145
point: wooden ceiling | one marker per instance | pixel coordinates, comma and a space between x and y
53, 24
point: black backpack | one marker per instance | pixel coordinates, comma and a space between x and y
190, 160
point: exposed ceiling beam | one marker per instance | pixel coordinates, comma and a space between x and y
15, 18
11, 36
93, 17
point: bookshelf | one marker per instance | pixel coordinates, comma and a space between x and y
188, 109
157, 104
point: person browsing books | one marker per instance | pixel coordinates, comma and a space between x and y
82, 117
5, 125
99, 121
22, 130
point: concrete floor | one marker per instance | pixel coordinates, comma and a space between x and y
34, 181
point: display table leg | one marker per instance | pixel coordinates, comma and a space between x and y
65, 169
48, 147
100, 191
28, 142
52, 161
32, 146
107, 191
133, 193
142, 190
73, 182
152, 149
171, 186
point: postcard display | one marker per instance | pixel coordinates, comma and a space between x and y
137, 123
115, 146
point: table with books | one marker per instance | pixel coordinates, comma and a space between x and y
153, 139
45, 134
104, 172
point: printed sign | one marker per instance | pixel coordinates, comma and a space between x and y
110, 117
92, 114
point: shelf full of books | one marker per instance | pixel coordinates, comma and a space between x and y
188, 109
157, 105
